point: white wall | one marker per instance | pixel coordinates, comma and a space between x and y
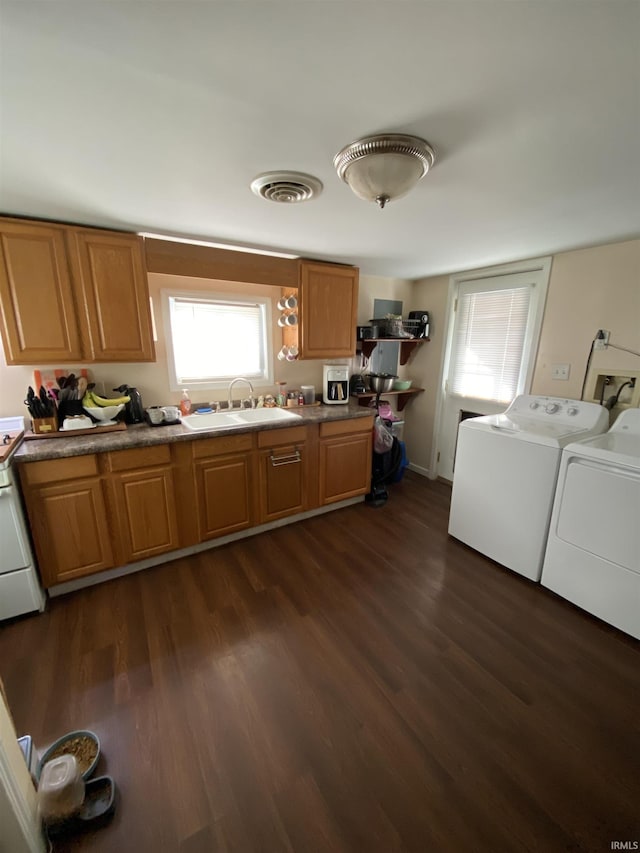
589, 289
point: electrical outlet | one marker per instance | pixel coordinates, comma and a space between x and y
560, 371
602, 339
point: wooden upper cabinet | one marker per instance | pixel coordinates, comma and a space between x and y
113, 295
328, 297
39, 321
72, 295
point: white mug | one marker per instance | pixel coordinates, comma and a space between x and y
287, 302
291, 320
292, 353
171, 413
156, 415
283, 354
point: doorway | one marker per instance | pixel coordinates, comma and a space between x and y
495, 317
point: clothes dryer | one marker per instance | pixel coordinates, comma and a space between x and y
593, 551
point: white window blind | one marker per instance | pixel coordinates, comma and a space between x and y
217, 339
489, 339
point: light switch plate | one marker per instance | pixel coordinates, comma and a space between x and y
560, 371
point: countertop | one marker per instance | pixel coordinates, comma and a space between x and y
142, 435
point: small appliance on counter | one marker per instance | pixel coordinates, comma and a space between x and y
133, 410
357, 384
335, 383
418, 324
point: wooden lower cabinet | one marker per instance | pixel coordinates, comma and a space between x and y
146, 513
94, 512
283, 465
68, 517
141, 489
223, 469
345, 459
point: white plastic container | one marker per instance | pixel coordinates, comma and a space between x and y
309, 394
60, 789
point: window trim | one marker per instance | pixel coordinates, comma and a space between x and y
266, 305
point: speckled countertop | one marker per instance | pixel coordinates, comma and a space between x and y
141, 435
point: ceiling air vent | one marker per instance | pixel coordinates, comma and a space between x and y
286, 187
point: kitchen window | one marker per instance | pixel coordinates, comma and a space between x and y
213, 338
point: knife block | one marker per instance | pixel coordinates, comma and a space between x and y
43, 425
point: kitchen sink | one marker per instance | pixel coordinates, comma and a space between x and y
238, 419
266, 416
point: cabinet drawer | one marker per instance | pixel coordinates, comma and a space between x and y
139, 457
347, 427
276, 437
59, 470
221, 445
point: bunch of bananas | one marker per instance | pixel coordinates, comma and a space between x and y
91, 400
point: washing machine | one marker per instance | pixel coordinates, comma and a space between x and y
593, 551
505, 475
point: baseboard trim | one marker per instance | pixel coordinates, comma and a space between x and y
424, 472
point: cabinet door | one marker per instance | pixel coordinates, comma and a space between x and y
39, 322
345, 466
328, 310
111, 282
70, 531
223, 485
146, 513
283, 481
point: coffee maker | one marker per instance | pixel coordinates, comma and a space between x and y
335, 383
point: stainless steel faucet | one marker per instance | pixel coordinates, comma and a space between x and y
251, 397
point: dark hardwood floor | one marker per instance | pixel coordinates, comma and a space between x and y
355, 682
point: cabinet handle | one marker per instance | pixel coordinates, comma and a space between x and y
289, 459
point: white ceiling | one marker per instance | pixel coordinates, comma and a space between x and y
156, 115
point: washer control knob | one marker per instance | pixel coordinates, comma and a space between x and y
534, 405
572, 410
550, 408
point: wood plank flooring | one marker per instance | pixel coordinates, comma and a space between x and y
355, 682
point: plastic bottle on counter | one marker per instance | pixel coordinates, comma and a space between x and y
185, 402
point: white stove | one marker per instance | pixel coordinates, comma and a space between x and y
20, 591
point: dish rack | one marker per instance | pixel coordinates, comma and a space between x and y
397, 328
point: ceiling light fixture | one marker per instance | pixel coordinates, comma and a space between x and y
385, 167
286, 187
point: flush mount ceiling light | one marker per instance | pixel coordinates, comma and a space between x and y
286, 187
385, 167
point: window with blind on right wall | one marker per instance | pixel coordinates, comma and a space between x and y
488, 343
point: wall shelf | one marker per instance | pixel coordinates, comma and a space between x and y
407, 346
403, 396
